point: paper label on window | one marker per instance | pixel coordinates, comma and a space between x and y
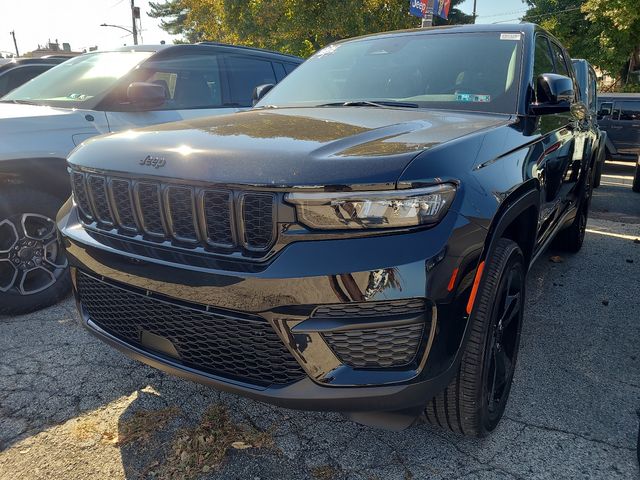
510, 36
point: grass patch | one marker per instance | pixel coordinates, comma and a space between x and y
144, 423
203, 448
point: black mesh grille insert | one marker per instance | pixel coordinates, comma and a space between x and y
243, 348
98, 191
376, 348
217, 213
149, 199
181, 213
123, 204
257, 216
371, 309
80, 194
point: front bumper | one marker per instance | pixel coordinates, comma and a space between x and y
285, 293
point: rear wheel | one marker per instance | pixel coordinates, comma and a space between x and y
475, 400
33, 266
597, 177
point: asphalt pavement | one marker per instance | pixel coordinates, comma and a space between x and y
71, 407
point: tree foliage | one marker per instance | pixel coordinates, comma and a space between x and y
293, 26
605, 32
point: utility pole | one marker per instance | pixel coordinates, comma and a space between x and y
15, 43
135, 13
474, 11
427, 20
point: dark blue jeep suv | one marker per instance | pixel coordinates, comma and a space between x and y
359, 241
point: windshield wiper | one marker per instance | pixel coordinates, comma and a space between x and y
370, 103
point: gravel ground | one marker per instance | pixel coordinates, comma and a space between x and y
73, 408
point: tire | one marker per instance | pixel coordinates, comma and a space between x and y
33, 266
636, 178
571, 238
469, 404
597, 177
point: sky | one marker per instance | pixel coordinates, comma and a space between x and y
74, 21
78, 21
491, 11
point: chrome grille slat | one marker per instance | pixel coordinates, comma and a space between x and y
99, 199
187, 216
79, 188
181, 213
217, 206
123, 205
150, 208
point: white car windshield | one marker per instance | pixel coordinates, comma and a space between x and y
80, 82
471, 71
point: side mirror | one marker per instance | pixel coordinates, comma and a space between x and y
146, 94
554, 94
260, 91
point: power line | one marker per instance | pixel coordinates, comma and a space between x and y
542, 15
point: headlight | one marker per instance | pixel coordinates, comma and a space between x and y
364, 210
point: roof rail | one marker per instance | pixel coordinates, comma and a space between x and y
244, 47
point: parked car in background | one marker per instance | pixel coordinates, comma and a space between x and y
16, 71
588, 86
619, 116
97, 93
359, 241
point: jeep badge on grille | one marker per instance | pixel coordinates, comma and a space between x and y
151, 161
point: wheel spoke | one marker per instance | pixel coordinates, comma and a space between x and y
8, 275
37, 227
35, 280
51, 253
8, 237
511, 310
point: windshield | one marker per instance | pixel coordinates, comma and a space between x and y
80, 82
470, 71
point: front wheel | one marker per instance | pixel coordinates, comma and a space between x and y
475, 400
33, 266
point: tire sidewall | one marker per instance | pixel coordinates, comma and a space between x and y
486, 422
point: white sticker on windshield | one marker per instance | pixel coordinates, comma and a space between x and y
510, 36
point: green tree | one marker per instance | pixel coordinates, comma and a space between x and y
605, 32
293, 26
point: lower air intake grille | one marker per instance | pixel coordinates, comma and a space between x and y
376, 347
239, 347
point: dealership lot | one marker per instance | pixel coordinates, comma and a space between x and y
71, 407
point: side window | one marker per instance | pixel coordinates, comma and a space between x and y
593, 90
246, 73
280, 71
290, 67
543, 62
605, 110
615, 112
189, 81
559, 60
20, 75
630, 111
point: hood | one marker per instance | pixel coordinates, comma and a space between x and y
284, 147
37, 131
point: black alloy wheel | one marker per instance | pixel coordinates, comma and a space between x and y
475, 400
503, 342
33, 265
30, 258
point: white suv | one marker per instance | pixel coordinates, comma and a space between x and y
93, 94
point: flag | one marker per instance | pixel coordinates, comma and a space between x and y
441, 8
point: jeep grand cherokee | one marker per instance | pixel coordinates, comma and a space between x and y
358, 242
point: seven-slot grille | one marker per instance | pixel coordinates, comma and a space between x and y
215, 218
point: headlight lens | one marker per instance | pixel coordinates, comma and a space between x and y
367, 210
